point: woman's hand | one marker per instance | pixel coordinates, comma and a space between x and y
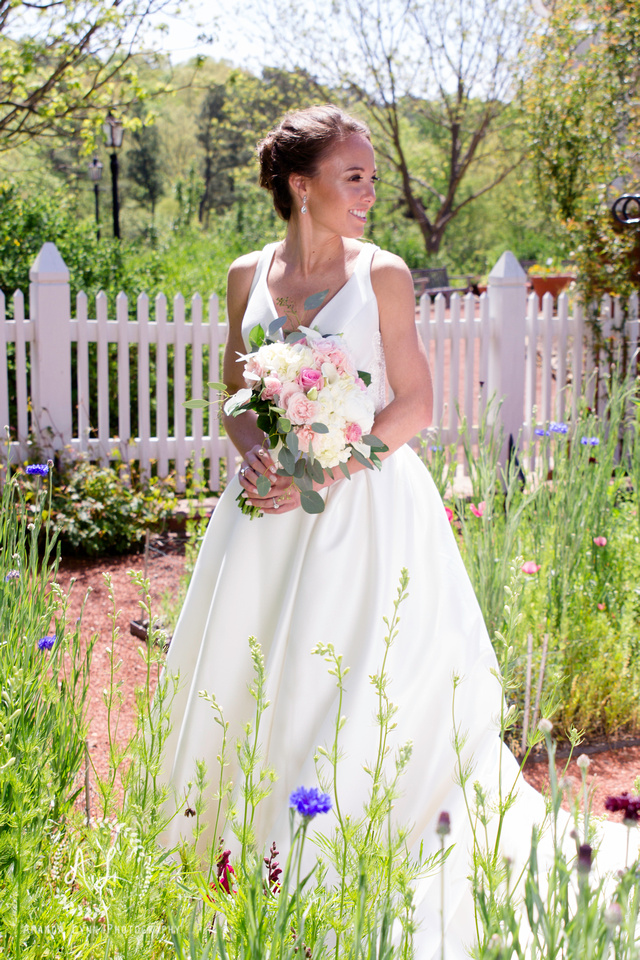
282, 495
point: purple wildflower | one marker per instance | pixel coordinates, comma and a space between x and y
589, 441
559, 427
630, 806
46, 643
540, 432
12, 575
309, 802
444, 824
584, 858
273, 869
38, 469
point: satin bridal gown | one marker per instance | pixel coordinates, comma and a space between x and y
294, 580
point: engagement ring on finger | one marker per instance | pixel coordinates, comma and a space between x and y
276, 505
243, 470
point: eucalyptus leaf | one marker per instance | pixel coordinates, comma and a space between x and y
329, 471
284, 425
304, 482
320, 428
276, 325
363, 460
345, 470
299, 470
374, 442
311, 501
295, 336
317, 472
263, 485
315, 300
287, 460
196, 404
291, 441
365, 377
221, 387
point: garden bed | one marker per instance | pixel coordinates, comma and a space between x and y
613, 770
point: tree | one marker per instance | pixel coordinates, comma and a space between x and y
583, 104
447, 70
225, 149
143, 162
64, 59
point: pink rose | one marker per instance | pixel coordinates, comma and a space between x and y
479, 510
309, 378
327, 352
271, 389
301, 410
287, 391
530, 567
305, 436
253, 365
353, 433
600, 541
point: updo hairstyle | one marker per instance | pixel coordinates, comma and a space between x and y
298, 144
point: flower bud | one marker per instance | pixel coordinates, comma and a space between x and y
585, 854
613, 915
444, 824
545, 726
583, 762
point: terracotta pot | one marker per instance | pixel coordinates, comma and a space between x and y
553, 285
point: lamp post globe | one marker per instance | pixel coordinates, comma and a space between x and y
114, 132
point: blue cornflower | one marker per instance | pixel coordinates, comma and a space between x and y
559, 427
310, 802
38, 469
46, 643
12, 575
539, 432
435, 447
589, 441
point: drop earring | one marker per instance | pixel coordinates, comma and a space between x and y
303, 208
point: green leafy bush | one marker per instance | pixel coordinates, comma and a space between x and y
98, 510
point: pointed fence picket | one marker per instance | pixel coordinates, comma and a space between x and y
85, 382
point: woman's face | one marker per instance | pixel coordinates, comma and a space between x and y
343, 191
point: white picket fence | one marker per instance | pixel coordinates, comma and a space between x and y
499, 344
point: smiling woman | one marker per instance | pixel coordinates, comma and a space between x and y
323, 582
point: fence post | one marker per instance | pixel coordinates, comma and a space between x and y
507, 290
50, 308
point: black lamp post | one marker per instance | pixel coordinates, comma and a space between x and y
114, 132
95, 175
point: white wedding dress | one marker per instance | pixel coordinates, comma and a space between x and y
294, 580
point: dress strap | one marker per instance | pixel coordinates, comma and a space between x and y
363, 265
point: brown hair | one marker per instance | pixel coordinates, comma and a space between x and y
298, 144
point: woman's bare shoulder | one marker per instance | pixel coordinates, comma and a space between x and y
239, 279
389, 274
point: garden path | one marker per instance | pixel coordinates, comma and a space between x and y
612, 771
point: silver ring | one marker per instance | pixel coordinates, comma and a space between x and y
276, 505
243, 470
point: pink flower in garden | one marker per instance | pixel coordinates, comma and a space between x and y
530, 567
353, 433
600, 541
300, 409
272, 388
449, 513
479, 510
309, 378
601, 606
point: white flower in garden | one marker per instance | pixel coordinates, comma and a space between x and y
583, 762
545, 726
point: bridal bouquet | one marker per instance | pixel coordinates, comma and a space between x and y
312, 404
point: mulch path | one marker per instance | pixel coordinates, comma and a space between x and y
611, 772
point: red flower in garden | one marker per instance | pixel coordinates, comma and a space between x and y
630, 806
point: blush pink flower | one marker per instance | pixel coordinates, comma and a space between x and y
353, 433
479, 510
305, 436
272, 387
253, 365
600, 541
530, 567
327, 352
287, 391
309, 378
449, 513
601, 606
302, 410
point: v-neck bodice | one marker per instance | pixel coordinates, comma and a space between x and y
352, 313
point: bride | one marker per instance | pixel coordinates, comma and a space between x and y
294, 580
